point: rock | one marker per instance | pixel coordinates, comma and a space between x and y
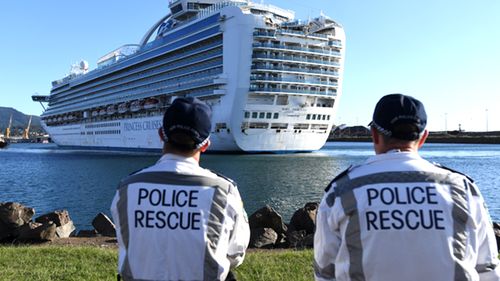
262, 238
267, 217
300, 239
104, 225
305, 218
37, 232
87, 233
496, 229
12, 216
62, 221
59, 217
65, 230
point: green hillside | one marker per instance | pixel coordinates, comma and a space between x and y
19, 121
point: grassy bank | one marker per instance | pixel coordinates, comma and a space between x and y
92, 263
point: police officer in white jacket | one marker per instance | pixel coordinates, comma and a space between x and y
176, 220
399, 217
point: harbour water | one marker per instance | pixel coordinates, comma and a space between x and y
48, 178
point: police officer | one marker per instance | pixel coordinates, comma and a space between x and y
176, 220
400, 217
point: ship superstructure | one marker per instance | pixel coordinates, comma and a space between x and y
273, 82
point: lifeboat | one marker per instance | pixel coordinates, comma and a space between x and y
111, 109
122, 108
102, 112
59, 119
136, 106
151, 103
95, 113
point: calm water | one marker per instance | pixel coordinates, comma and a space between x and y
47, 178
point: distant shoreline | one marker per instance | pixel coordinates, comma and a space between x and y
431, 139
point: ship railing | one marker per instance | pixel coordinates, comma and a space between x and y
167, 80
264, 34
288, 14
294, 91
336, 43
106, 98
291, 80
154, 65
285, 47
289, 31
119, 53
218, 6
124, 96
292, 58
294, 69
161, 69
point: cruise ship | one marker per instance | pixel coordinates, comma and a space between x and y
273, 82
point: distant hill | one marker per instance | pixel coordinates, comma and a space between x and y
19, 121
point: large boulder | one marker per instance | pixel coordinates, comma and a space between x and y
103, 225
12, 216
37, 232
62, 221
262, 238
305, 218
267, 217
59, 217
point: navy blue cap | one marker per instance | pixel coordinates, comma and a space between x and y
188, 116
397, 109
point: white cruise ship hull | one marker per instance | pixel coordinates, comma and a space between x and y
141, 134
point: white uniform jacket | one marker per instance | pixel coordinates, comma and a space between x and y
178, 221
399, 217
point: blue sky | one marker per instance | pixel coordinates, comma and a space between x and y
444, 52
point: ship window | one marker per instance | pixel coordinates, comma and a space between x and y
262, 115
281, 126
258, 125
300, 126
247, 114
328, 117
219, 126
254, 114
308, 117
319, 127
314, 117
276, 115
324, 117
269, 115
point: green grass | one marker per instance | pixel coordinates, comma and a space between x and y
57, 263
92, 263
277, 265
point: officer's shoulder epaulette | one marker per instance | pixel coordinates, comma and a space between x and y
339, 176
453, 171
224, 177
